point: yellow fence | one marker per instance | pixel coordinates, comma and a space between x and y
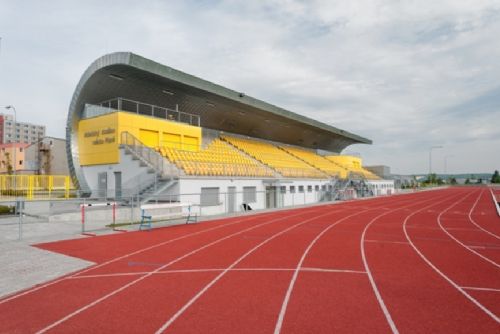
35, 186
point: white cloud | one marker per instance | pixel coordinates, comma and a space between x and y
407, 74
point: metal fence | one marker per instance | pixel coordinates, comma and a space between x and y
32, 187
53, 219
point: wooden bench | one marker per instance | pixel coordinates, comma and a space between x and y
175, 210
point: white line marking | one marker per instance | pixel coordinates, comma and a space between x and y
303, 269
495, 202
370, 276
458, 241
281, 316
474, 222
114, 292
347, 271
284, 305
38, 287
480, 289
202, 291
368, 271
478, 304
387, 242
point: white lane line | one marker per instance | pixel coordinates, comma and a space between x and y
450, 281
322, 270
474, 222
38, 287
370, 276
177, 271
284, 305
281, 317
114, 292
458, 241
216, 279
480, 289
495, 202
387, 242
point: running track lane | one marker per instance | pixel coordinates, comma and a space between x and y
458, 225
141, 305
355, 307
107, 310
160, 307
43, 298
432, 304
254, 308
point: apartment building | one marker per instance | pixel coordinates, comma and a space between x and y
19, 132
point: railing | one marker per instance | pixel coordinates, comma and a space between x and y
121, 104
35, 186
149, 156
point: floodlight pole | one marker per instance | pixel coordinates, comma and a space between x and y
430, 157
9, 107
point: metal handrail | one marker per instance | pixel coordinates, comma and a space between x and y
142, 108
148, 155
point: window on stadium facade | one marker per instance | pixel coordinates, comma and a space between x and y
209, 196
249, 194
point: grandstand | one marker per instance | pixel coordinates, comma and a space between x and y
141, 129
285, 164
218, 159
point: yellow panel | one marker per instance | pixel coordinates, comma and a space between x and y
191, 143
98, 140
98, 137
148, 137
171, 140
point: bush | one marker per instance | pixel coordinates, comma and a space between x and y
495, 178
6, 210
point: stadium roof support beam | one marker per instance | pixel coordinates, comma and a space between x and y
130, 76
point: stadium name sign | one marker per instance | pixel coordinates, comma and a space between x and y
99, 141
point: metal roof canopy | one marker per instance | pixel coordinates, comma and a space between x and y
127, 75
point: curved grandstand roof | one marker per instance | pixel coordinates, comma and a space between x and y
129, 76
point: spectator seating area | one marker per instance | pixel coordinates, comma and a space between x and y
284, 163
244, 157
217, 159
318, 161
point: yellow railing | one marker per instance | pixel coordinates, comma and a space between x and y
35, 186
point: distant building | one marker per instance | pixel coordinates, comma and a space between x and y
47, 157
12, 156
19, 132
382, 171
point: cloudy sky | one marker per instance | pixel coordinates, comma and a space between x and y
407, 74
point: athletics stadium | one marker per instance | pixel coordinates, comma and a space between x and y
310, 241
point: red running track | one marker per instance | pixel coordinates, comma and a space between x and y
422, 262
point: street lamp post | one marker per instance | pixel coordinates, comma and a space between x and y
15, 147
430, 157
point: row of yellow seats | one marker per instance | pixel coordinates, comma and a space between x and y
220, 170
317, 161
267, 152
282, 161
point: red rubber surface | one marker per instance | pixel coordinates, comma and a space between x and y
422, 262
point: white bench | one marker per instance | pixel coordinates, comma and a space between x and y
166, 211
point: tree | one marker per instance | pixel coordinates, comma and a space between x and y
10, 170
479, 181
453, 180
495, 178
467, 181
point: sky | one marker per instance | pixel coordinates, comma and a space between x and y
408, 75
